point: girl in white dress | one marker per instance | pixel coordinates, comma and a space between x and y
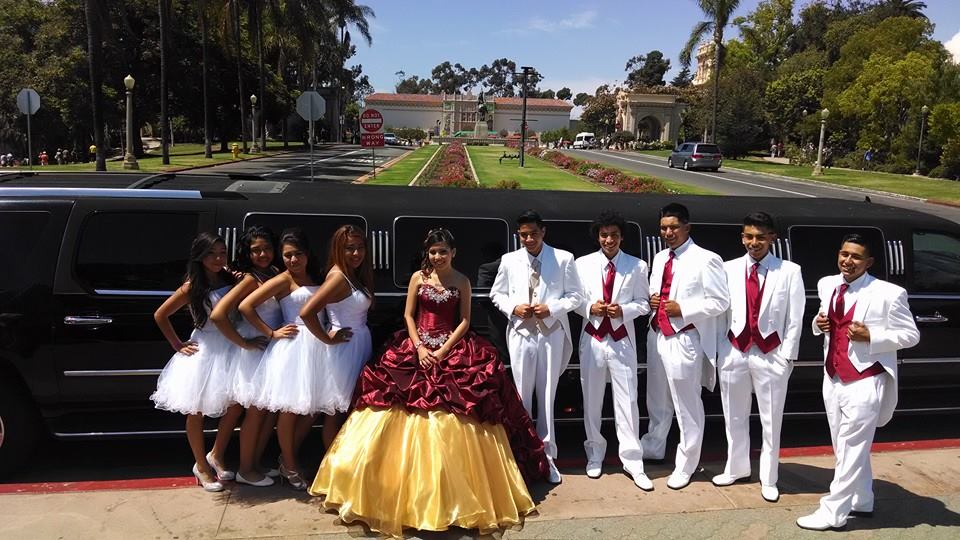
288, 373
255, 255
346, 294
196, 380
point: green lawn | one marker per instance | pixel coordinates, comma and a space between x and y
923, 187
403, 171
536, 174
181, 156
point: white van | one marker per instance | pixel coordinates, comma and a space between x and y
584, 140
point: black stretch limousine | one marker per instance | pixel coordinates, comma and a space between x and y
91, 258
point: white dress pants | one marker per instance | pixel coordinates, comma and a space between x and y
535, 361
619, 359
766, 375
852, 411
673, 384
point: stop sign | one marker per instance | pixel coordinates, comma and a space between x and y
371, 121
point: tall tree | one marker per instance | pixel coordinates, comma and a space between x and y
582, 99
95, 13
718, 13
164, 9
902, 8
235, 11
564, 94
204, 37
683, 79
647, 70
349, 13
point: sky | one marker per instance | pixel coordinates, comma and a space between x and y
574, 44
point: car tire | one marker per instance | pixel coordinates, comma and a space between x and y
19, 427
670, 162
686, 165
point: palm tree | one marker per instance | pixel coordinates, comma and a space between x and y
348, 12
207, 144
235, 9
903, 8
719, 13
95, 14
164, 8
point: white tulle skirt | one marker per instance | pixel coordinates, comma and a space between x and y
290, 375
243, 386
343, 363
200, 383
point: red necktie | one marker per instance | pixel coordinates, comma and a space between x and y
663, 320
608, 283
838, 305
753, 300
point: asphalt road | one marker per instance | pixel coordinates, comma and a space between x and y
331, 163
730, 181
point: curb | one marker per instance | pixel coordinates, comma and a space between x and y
433, 156
476, 178
386, 165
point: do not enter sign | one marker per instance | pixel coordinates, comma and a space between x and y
371, 121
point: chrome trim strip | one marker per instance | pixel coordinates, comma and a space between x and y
928, 296
889, 255
100, 192
900, 256
949, 360
123, 292
386, 248
380, 248
789, 249
112, 373
82, 320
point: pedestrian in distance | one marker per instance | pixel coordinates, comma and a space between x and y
616, 292
688, 292
864, 321
256, 251
759, 338
346, 296
536, 287
290, 370
438, 437
196, 380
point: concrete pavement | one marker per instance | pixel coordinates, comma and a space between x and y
917, 496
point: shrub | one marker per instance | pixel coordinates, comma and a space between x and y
506, 184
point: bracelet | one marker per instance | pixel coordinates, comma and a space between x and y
418, 345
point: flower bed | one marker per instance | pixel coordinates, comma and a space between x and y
450, 168
614, 179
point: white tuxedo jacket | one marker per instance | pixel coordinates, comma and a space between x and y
781, 306
560, 289
630, 290
700, 287
883, 308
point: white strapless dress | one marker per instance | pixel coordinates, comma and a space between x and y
242, 387
343, 361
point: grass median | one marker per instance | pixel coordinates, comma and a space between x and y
182, 156
535, 174
402, 172
902, 184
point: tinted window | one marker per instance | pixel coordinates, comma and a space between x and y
25, 229
574, 236
815, 250
135, 251
936, 262
319, 229
722, 239
480, 241
708, 148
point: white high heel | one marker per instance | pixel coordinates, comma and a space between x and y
207, 486
222, 474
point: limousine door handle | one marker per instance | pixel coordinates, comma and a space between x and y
935, 318
92, 321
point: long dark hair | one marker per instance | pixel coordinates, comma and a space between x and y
200, 286
435, 236
362, 276
295, 237
242, 261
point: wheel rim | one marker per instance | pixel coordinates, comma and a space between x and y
669, 162
686, 166
2, 431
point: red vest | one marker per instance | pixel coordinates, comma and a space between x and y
838, 358
751, 331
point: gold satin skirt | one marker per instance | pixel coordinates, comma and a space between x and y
392, 469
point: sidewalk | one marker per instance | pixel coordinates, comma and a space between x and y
917, 496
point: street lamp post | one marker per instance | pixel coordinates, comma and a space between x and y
818, 168
129, 159
255, 147
923, 121
523, 113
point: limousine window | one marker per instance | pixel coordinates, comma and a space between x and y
318, 228
815, 250
480, 242
936, 262
720, 238
574, 236
144, 251
26, 270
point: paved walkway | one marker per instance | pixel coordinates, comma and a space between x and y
917, 496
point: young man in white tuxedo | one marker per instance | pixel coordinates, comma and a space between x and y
536, 287
688, 292
616, 292
865, 321
757, 344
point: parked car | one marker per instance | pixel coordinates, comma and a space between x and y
91, 257
584, 140
390, 139
694, 155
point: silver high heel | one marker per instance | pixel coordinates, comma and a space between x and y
222, 474
207, 486
293, 478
